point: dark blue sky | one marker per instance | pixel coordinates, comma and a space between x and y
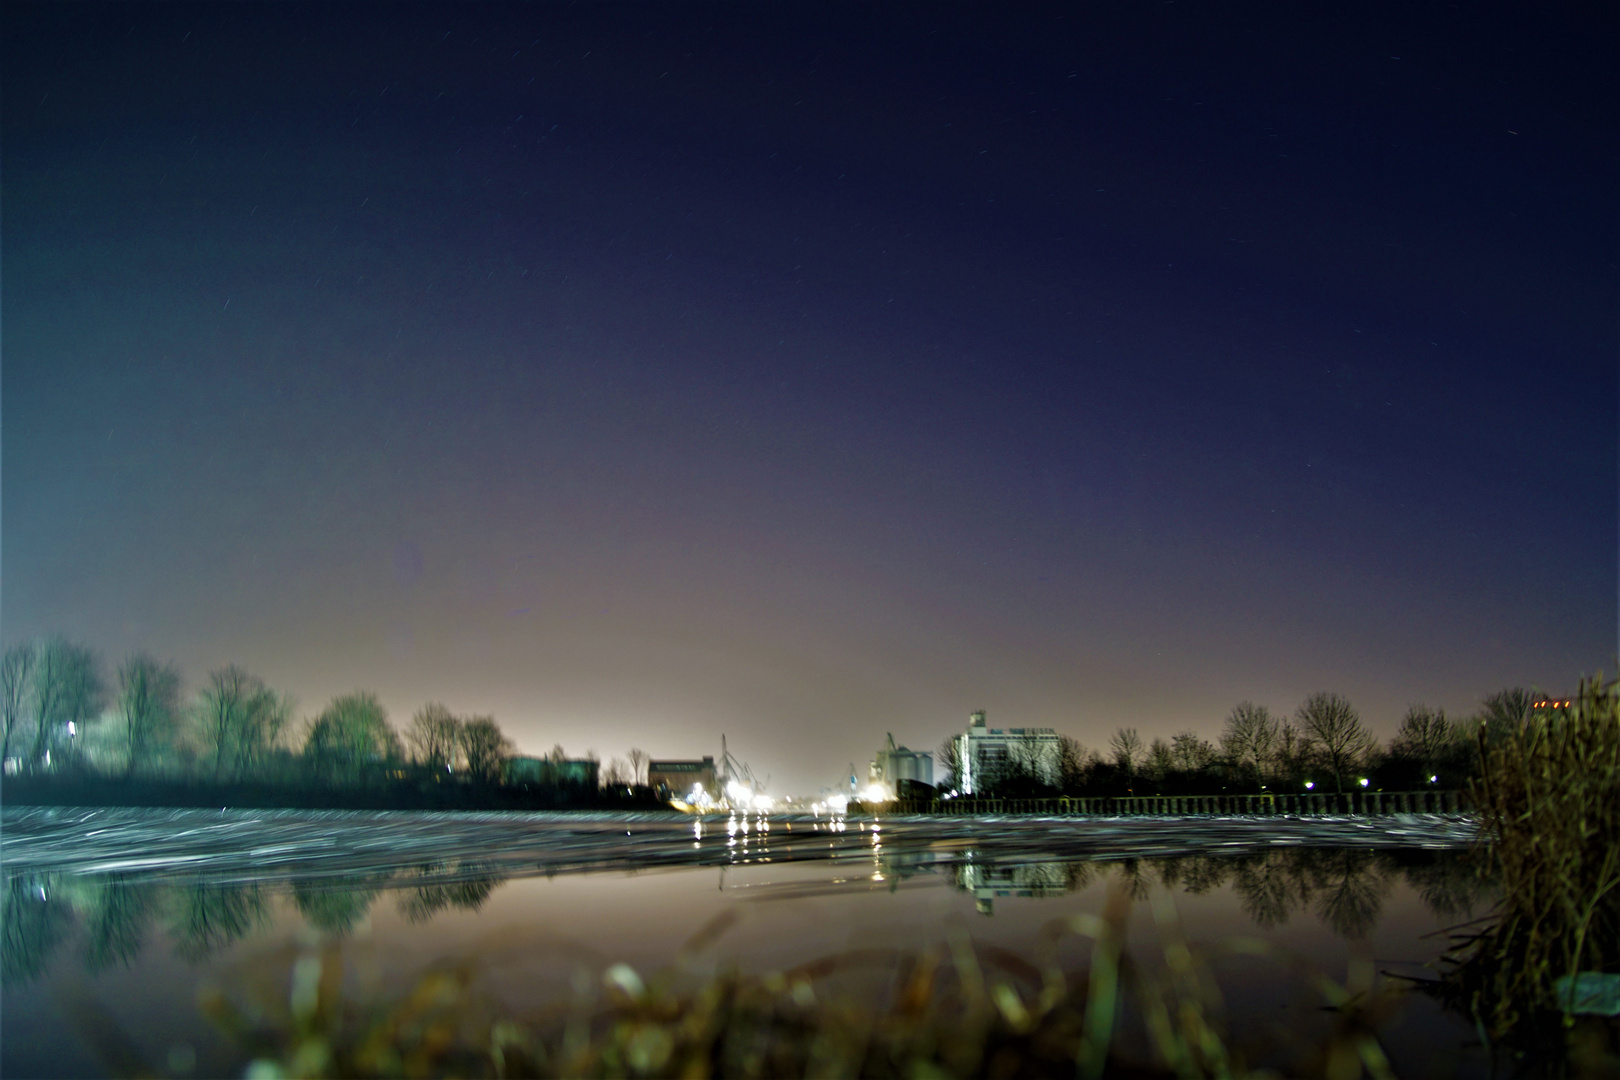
642, 373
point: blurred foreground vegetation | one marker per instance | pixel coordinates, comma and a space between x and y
1549, 797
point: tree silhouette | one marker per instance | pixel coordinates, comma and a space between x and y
208, 916
1334, 729
34, 922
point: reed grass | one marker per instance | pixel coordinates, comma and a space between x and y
1549, 800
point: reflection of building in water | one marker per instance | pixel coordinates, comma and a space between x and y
988, 755
678, 778
895, 767
989, 881
902, 863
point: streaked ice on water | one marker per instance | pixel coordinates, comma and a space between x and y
232, 844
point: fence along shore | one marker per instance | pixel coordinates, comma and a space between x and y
1307, 804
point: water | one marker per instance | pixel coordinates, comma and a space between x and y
116, 919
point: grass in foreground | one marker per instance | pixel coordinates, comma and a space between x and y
1549, 800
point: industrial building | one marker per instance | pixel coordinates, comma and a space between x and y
896, 768
987, 755
677, 778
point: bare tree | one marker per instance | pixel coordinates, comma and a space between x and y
950, 763
1427, 737
350, 735
1288, 755
434, 736
66, 690
617, 774
148, 708
266, 724
485, 748
240, 720
1031, 760
1333, 728
1190, 752
1072, 763
1160, 760
1250, 737
16, 672
638, 765
1126, 745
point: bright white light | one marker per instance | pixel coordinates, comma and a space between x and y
1309, 784
837, 803
763, 802
1364, 781
875, 793
1434, 779
73, 729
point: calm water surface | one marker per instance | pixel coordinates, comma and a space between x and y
115, 919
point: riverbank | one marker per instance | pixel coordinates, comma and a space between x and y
88, 789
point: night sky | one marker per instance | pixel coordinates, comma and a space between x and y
639, 374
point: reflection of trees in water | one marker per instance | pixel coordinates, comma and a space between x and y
115, 914
1203, 875
1343, 887
1450, 887
335, 905
1133, 878
1080, 874
421, 903
1270, 887
35, 921
1169, 871
208, 916
1346, 887
115, 928
1350, 889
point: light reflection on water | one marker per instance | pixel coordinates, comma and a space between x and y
805, 888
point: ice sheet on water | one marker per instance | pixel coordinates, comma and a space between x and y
269, 844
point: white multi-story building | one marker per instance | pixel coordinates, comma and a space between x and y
987, 755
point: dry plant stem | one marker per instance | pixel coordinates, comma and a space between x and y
1549, 795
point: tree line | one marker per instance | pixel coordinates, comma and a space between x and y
56, 701
1324, 743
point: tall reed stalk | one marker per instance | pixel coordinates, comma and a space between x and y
1549, 799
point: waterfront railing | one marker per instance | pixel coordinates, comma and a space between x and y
1308, 804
